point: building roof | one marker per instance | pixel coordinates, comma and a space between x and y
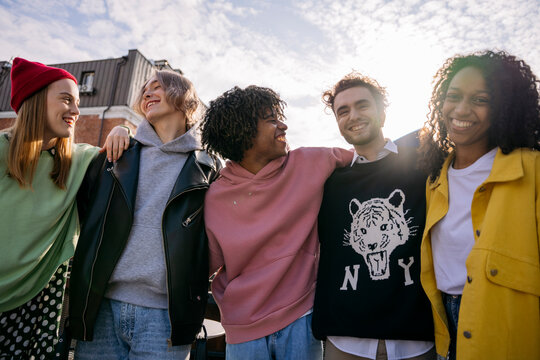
105, 82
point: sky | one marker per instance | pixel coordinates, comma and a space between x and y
298, 48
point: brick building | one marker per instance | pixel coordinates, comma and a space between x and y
107, 89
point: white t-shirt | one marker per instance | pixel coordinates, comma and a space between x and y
452, 238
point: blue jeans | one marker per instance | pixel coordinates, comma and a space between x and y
296, 342
451, 305
124, 331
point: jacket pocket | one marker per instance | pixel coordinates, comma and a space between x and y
513, 273
189, 219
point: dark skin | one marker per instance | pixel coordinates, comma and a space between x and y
269, 143
466, 113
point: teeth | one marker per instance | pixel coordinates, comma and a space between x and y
358, 127
281, 138
461, 124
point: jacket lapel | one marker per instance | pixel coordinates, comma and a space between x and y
190, 175
438, 194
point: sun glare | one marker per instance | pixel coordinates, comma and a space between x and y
406, 69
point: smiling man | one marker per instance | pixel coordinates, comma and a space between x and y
369, 303
261, 220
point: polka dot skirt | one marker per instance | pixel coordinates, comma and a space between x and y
31, 330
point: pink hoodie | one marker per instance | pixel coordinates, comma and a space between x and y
262, 232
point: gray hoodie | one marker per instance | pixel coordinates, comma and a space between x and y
139, 276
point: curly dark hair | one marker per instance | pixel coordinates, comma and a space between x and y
354, 79
230, 123
514, 107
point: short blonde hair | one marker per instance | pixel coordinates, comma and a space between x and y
179, 92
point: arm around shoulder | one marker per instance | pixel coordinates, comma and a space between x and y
343, 157
322, 159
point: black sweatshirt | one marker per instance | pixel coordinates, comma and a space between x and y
370, 229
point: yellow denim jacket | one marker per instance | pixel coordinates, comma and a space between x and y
500, 308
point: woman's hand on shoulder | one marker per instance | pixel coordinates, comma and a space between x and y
117, 141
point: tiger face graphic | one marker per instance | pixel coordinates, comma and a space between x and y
378, 226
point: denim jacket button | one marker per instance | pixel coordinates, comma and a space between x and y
493, 272
477, 232
469, 279
467, 334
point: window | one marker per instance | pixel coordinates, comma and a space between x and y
87, 82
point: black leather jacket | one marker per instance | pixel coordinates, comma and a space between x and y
106, 201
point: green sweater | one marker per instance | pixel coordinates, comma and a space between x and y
38, 226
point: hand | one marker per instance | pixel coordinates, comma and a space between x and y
117, 141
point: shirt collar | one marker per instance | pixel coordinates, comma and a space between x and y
389, 147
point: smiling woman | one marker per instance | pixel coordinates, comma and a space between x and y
169, 102
40, 173
480, 251
149, 239
466, 111
62, 111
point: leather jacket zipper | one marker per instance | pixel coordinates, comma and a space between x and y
186, 222
165, 252
109, 169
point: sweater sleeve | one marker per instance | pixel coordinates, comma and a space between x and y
331, 158
343, 157
321, 160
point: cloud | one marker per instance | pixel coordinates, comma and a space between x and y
403, 43
299, 49
92, 7
454, 26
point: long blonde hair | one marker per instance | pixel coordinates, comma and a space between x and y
26, 141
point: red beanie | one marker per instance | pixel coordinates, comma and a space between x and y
27, 77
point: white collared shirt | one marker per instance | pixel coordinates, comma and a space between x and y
389, 147
396, 349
